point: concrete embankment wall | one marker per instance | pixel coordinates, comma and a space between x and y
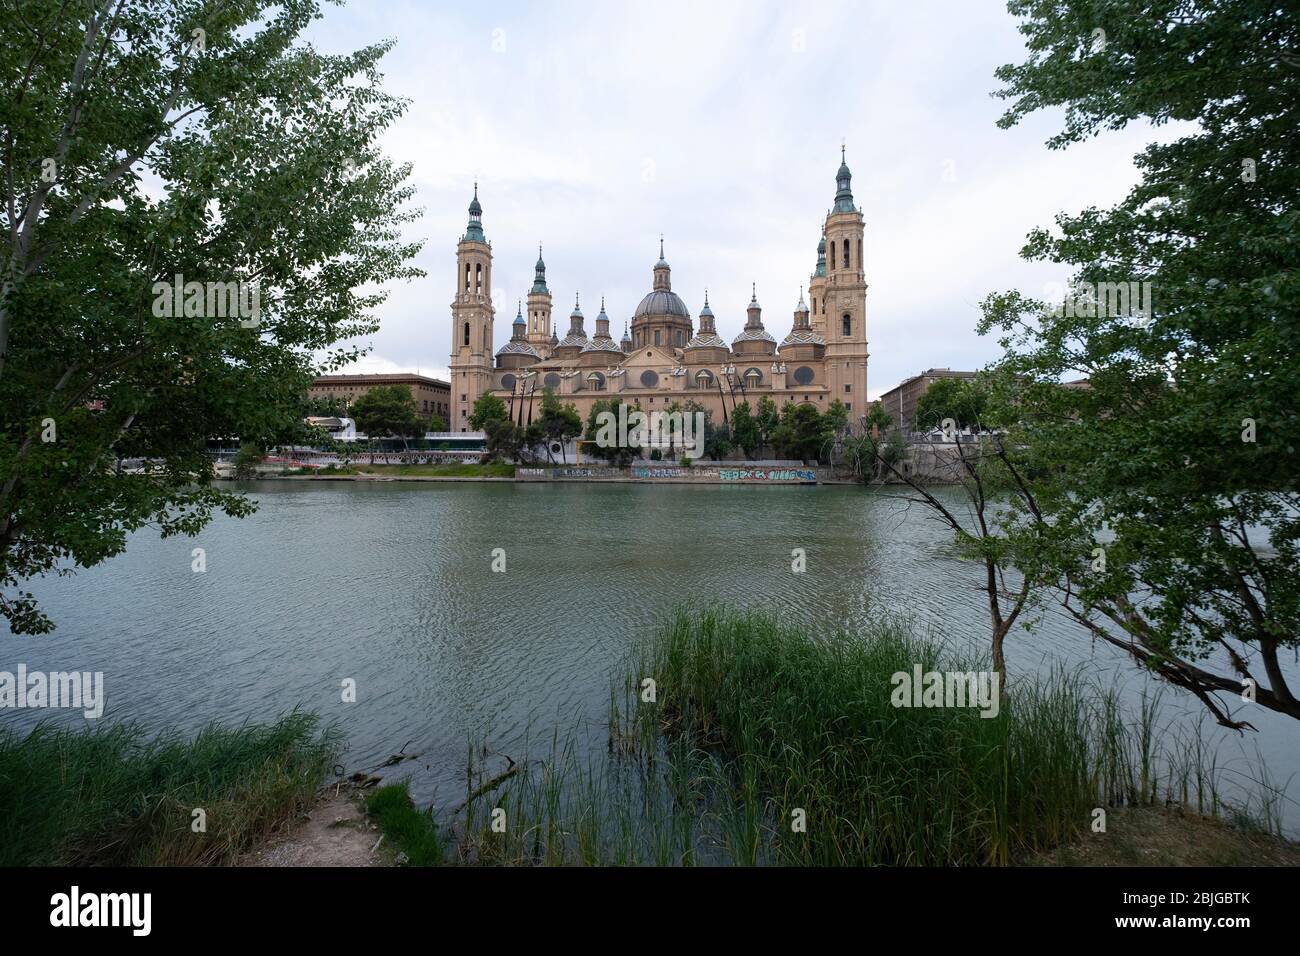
668, 474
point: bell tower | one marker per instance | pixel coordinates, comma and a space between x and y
539, 307
471, 320
844, 298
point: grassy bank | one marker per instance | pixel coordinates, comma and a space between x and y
116, 796
767, 746
494, 469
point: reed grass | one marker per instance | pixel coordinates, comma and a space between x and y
755, 725
115, 796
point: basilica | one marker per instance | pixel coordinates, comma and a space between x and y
663, 357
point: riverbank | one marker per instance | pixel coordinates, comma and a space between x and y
120, 797
740, 742
791, 474
731, 739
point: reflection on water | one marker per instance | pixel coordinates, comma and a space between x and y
391, 584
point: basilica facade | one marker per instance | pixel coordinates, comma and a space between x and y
663, 357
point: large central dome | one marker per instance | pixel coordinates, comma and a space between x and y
661, 318
662, 302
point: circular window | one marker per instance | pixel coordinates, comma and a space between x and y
596, 382
803, 375
649, 378
508, 381
552, 380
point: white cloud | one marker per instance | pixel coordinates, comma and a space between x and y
594, 129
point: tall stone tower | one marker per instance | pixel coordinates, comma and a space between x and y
817, 290
844, 298
471, 320
539, 308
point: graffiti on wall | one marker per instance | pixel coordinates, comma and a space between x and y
767, 474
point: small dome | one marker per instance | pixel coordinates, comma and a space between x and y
706, 310
518, 347
706, 340
802, 337
599, 343
754, 335
519, 315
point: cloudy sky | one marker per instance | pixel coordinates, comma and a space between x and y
594, 128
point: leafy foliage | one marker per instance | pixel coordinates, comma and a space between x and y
1165, 484
387, 410
130, 154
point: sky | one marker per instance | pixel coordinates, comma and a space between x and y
595, 128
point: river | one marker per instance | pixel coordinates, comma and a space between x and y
390, 584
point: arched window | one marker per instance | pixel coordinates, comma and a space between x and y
467, 324
487, 340
832, 258
467, 277
814, 305
508, 381
551, 381
704, 378
680, 340
596, 382
656, 336
846, 253
753, 378
847, 324
478, 278
859, 253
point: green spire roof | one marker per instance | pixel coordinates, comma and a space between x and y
539, 279
474, 231
843, 194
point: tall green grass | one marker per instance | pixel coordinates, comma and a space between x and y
755, 725
115, 796
414, 832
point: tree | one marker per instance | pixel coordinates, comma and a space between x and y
560, 422
502, 439
387, 410
716, 441
767, 419
192, 199
1167, 515
325, 406
487, 407
674, 409
877, 420
960, 399
802, 432
436, 423
247, 460
744, 429
836, 418
992, 487
612, 452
